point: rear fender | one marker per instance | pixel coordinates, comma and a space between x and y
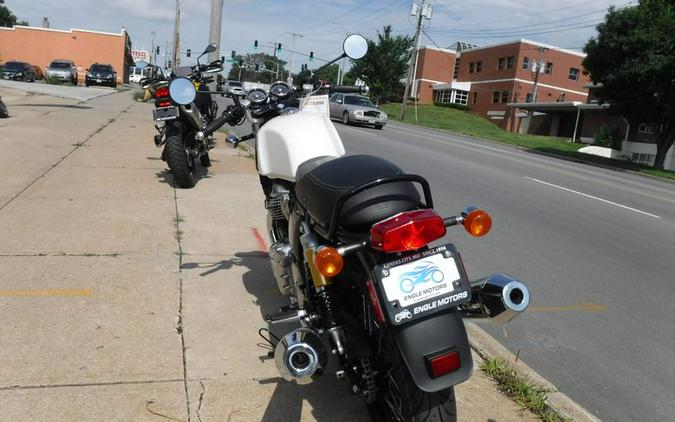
429, 336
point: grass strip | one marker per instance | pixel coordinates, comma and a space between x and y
520, 389
465, 123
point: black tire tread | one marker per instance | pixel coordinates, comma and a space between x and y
177, 161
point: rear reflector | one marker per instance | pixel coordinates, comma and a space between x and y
407, 231
443, 364
164, 103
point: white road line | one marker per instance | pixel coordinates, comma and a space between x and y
592, 197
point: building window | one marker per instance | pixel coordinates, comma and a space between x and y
455, 73
501, 64
526, 63
472, 67
505, 63
448, 96
475, 97
643, 158
528, 97
645, 128
505, 97
549, 68
510, 61
479, 66
495, 96
461, 97
574, 73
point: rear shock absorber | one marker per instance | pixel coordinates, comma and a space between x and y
325, 307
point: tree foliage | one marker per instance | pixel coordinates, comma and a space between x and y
633, 57
385, 64
7, 18
267, 68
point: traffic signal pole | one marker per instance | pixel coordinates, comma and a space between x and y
408, 83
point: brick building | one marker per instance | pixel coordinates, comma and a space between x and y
39, 46
486, 79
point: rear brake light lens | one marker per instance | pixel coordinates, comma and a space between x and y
162, 92
407, 231
164, 103
444, 364
477, 222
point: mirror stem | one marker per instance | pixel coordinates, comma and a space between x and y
316, 72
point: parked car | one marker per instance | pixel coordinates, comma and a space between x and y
101, 74
62, 71
39, 73
235, 88
18, 71
352, 108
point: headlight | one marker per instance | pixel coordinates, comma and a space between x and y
358, 113
18, 74
89, 75
109, 76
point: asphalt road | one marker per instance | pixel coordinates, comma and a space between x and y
595, 246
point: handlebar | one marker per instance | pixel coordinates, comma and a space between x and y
347, 89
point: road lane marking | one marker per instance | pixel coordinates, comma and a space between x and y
360, 131
592, 197
47, 293
588, 307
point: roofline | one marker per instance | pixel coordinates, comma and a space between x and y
526, 41
70, 31
445, 50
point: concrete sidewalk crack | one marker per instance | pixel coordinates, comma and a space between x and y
201, 401
179, 325
85, 384
62, 159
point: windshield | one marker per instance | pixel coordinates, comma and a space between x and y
101, 68
361, 101
238, 84
13, 66
60, 65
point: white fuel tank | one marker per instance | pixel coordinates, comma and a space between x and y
285, 142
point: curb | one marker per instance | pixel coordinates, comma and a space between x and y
487, 347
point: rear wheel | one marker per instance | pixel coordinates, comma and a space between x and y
345, 118
180, 162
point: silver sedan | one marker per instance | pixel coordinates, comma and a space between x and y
351, 108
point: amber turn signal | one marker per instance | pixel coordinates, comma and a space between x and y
328, 261
477, 222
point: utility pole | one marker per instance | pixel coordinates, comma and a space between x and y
214, 32
290, 70
166, 55
423, 11
153, 58
176, 37
536, 69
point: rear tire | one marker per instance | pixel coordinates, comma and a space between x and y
345, 118
379, 126
180, 163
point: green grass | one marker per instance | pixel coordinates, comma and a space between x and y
458, 121
520, 389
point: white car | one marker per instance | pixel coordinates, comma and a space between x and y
235, 88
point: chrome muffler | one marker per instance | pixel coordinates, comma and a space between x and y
300, 355
499, 297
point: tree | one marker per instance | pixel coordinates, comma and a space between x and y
7, 18
633, 57
385, 64
267, 68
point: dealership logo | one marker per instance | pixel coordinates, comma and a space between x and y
404, 314
425, 272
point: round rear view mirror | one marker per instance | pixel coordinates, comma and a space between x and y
211, 48
182, 91
355, 46
142, 64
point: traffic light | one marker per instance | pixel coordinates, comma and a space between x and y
257, 67
311, 55
234, 54
255, 44
189, 52
157, 51
169, 65
222, 59
279, 47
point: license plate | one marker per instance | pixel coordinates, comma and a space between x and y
98, 81
165, 113
422, 284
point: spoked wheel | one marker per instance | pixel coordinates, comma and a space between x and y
400, 400
180, 162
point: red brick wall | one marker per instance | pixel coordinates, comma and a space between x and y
435, 65
39, 47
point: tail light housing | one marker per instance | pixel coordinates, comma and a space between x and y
162, 92
407, 231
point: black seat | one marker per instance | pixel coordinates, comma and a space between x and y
322, 181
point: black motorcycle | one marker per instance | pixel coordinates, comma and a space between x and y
184, 109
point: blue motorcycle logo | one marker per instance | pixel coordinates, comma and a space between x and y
420, 274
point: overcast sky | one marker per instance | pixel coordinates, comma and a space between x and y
324, 23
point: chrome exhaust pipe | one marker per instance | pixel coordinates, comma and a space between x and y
498, 297
300, 356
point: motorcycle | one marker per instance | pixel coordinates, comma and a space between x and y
350, 246
183, 110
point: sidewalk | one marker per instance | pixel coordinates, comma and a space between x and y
125, 300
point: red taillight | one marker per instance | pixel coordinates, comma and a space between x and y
164, 103
162, 92
407, 231
443, 364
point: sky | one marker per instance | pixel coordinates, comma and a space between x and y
323, 24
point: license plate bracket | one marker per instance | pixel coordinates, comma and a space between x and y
165, 113
422, 284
